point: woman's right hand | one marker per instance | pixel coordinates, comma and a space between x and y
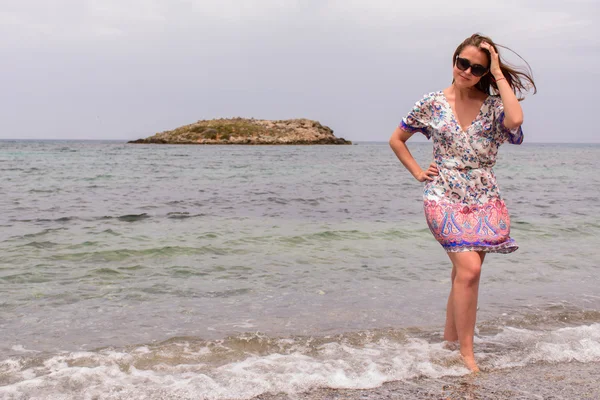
428, 174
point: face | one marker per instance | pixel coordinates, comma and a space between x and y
466, 78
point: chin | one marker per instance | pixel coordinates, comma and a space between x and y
461, 83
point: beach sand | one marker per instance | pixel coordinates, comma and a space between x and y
537, 381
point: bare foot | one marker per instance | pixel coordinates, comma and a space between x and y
470, 363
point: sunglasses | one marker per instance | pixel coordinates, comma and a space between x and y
476, 69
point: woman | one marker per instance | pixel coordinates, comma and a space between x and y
463, 206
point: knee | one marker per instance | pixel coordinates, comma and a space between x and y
468, 273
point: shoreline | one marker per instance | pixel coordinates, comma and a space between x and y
572, 380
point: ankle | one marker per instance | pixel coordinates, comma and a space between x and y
467, 353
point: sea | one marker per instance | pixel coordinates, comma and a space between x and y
235, 272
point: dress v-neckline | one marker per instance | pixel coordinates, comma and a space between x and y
455, 118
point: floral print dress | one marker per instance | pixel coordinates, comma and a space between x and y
463, 205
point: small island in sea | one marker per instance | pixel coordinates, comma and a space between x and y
248, 131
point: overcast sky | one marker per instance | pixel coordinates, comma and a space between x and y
125, 69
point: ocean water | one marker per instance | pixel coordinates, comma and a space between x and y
227, 272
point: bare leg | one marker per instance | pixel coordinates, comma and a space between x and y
450, 333
463, 302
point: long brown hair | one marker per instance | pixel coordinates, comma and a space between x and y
519, 79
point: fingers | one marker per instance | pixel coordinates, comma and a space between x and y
424, 176
429, 174
488, 47
433, 169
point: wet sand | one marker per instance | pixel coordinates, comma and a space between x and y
538, 381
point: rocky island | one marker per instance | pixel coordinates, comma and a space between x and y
248, 131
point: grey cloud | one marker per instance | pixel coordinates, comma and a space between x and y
136, 67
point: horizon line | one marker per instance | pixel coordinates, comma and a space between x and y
353, 141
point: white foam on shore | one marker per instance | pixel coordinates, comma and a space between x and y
580, 344
182, 371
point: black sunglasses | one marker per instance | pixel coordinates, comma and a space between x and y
476, 69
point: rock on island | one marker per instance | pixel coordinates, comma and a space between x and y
248, 131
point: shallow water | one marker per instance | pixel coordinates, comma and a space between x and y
230, 271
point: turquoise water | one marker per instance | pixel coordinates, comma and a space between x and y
226, 270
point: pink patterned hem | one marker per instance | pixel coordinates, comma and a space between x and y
502, 248
460, 227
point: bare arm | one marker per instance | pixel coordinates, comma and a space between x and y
398, 145
513, 113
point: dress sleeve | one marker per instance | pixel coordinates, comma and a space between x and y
503, 134
419, 118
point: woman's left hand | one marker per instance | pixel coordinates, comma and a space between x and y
495, 64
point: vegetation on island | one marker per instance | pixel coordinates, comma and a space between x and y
248, 131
